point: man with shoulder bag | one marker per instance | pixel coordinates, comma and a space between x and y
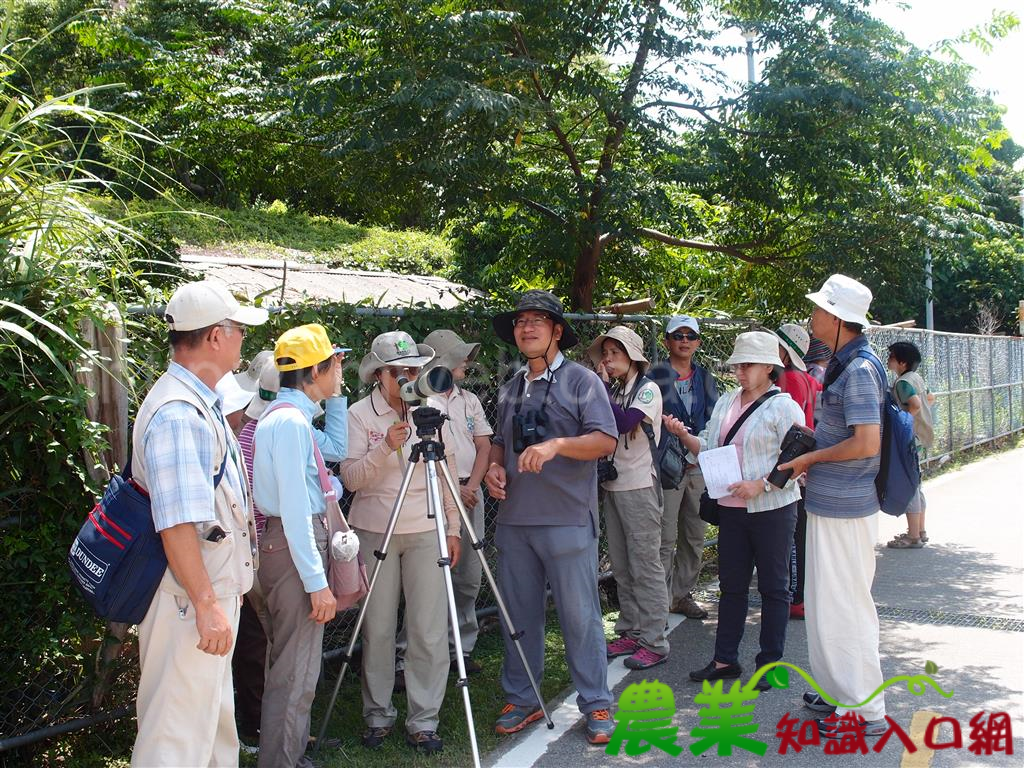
689, 393
190, 464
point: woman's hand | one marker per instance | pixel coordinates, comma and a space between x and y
397, 434
675, 426
602, 371
747, 489
454, 549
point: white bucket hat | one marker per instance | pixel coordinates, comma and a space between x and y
393, 348
755, 347
269, 386
845, 298
249, 379
233, 396
795, 340
629, 339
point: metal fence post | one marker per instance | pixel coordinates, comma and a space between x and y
949, 391
992, 385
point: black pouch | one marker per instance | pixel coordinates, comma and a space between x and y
708, 511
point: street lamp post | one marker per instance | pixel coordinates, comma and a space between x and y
750, 36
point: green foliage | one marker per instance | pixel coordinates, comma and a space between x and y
277, 232
61, 265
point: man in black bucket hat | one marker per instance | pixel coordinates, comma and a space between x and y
554, 422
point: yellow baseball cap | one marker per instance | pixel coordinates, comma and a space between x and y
307, 345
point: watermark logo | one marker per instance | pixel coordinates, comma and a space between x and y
646, 710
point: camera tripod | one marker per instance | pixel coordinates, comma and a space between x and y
428, 421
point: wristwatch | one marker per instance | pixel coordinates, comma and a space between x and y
768, 487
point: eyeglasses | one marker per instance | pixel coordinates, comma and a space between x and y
677, 336
523, 322
744, 366
239, 328
409, 373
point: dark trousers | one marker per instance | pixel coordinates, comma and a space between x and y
798, 561
247, 669
747, 539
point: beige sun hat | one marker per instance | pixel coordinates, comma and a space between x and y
393, 348
755, 347
266, 393
249, 379
629, 339
795, 340
449, 349
845, 298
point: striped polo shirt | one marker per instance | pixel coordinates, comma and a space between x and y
245, 437
846, 488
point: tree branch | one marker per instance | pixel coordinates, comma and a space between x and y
699, 245
549, 113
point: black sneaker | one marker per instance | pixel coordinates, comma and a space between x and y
373, 738
425, 741
813, 701
762, 684
711, 672
473, 667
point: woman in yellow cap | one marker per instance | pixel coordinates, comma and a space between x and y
293, 549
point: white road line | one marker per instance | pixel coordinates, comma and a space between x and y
536, 742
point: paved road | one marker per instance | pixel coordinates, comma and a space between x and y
959, 602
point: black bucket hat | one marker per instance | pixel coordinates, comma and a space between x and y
537, 301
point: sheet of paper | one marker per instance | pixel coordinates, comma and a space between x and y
721, 468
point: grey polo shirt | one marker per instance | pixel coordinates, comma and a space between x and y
565, 490
846, 488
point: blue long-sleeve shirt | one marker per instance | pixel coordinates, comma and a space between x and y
285, 479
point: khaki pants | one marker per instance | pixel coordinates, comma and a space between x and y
185, 704
633, 521
467, 576
683, 531
410, 569
294, 649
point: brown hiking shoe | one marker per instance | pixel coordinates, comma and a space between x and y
688, 607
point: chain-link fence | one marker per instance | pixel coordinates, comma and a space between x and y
978, 382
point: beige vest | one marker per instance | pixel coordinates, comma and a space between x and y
230, 562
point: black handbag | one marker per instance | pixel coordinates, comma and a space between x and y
708, 510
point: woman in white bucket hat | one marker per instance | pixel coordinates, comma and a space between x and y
757, 519
632, 500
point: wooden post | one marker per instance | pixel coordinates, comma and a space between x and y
104, 377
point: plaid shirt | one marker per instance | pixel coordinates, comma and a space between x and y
180, 450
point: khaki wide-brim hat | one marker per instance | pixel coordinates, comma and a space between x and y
393, 348
795, 340
249, 379
755, 347
629, 339
449, 349
266, 393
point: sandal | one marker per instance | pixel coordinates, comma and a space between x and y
924, 536
905, 542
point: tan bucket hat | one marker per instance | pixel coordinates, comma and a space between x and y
629, 339
449, 349
266, 393
756, 347
393, 348
795, 340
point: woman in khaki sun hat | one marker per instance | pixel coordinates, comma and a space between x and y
632, 500
757, 519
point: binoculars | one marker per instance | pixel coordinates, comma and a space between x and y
528, 428
797, 442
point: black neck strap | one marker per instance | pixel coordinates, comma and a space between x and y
746, 414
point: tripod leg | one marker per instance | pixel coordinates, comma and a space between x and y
435, 509
478, 548
380, 555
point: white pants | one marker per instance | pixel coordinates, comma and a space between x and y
186, 704
842, 624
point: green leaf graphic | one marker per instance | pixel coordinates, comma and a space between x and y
778, 677
931, 667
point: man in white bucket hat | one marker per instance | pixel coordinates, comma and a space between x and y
842, 511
